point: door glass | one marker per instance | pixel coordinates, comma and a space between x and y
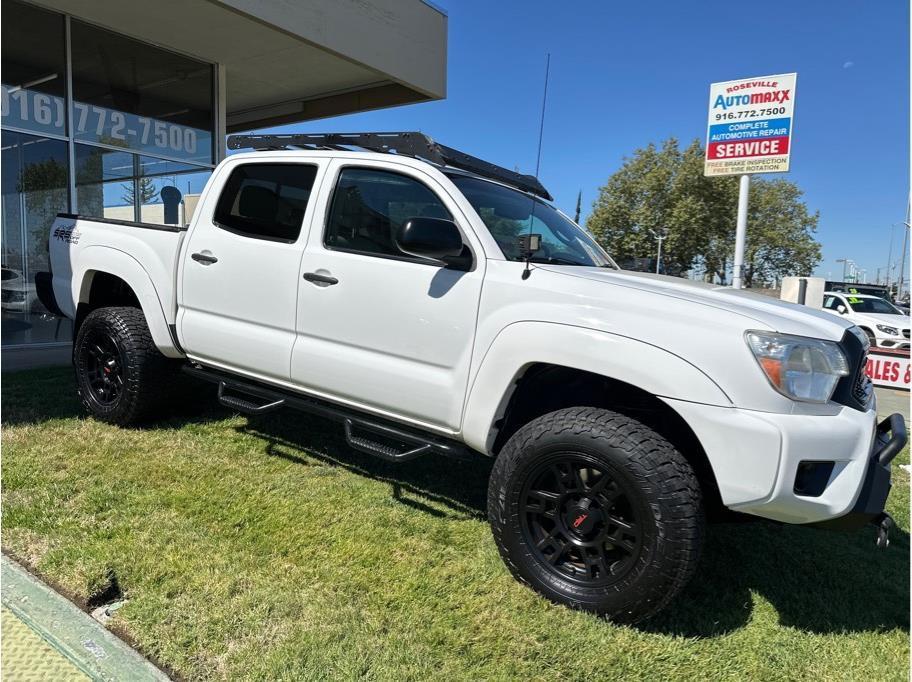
266, 200
369, 206
34, 183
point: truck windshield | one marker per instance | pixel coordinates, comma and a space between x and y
508, 213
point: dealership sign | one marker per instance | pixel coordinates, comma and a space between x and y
750, 125
889, 369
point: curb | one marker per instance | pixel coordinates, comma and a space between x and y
84, 642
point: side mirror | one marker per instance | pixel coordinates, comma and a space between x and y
434, 238
841, 309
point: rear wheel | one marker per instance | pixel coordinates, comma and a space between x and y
121, 376
596, 511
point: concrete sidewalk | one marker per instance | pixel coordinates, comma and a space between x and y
46, 637
890, 401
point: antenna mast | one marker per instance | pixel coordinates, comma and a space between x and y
541, 127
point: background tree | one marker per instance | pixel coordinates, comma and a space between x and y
579, 206
147, 191
663, 188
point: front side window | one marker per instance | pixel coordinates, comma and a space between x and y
266, 200
369, 206
508, 213
830, 302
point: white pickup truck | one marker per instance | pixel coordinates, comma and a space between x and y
434, 303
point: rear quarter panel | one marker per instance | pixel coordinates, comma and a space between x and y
145, 257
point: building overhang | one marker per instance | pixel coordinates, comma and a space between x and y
285, 61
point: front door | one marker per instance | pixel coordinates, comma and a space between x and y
239, 278
376, 327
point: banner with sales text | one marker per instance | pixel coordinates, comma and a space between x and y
889, 369
750, 125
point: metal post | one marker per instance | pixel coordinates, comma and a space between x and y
740, 233
890, 256
902, 263
70, 130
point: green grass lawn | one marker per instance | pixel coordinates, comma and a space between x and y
266, 549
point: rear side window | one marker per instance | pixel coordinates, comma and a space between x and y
368, 207
266, 200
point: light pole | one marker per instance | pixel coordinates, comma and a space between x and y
890, 255
660, 237
845, 265
902, 262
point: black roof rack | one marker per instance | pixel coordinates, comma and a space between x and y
417, 145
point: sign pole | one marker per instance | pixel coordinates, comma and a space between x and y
741, 232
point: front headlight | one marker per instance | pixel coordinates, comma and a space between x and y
799, 367
886, 329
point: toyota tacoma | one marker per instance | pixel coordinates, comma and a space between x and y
436, 304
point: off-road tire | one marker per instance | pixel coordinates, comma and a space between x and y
663, 491
147, 375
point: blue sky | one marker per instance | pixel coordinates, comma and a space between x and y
626, 74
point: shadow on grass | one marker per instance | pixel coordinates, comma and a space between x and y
455, 487
817, 581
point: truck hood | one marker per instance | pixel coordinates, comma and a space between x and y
760, 311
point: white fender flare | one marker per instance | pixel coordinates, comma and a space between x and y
93, 259
523, 344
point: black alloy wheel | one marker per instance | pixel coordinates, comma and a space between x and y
104, 368
578, 520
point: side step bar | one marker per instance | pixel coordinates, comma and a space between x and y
245, 406
367, 434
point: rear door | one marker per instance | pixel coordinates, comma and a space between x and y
239, 276
377, 327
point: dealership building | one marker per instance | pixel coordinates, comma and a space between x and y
105, 103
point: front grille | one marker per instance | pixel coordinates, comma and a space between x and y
855, 389
861, 389
906, 333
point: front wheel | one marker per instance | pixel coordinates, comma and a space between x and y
121, 376
596, 511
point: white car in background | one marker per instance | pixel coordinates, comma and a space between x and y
884, 323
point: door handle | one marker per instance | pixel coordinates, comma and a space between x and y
320, 279
203, 258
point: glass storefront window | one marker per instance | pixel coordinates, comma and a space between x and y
131, 95
104, 183
139, 123
34, 70
34, 180
125, 186
169, 190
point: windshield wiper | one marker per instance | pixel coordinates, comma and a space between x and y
555, 261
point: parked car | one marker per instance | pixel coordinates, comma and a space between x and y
885, 325
437, 304
17, 294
